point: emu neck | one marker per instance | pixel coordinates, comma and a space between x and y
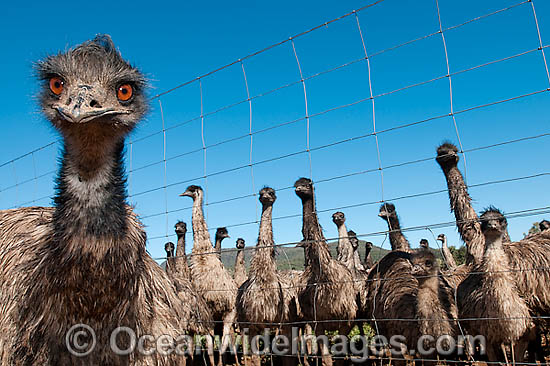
182, 267
368, 258
447, 255
493, 244
218, 246
397, 239
180, 249
428, 285
97, 247
201, 237
170, 263
240, 268
357, 265
316, 249
344, 248
495, 267
466, 217
428, 293
91, 192
264, 256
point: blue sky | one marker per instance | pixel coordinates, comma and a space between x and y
174, 43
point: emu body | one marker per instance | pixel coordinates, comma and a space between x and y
268, 296
328, 295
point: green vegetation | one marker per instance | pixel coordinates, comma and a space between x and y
292, 258
458, 254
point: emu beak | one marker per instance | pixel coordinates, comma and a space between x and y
185, 194
83, 115
85, 105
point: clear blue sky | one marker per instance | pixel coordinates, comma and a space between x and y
174, 43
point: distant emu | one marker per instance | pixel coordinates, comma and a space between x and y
169, 248
221, 233
367, 261
328, 297
240, 269
490, 293
209, 275
268, 296
436, 309
524, 256
424, 244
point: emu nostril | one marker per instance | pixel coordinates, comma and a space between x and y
95, 104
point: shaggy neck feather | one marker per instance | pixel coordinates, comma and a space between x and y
447, 255
264, 257
239, 263
345, 250
397, 239
91, 190
368, 259
218, 245
316, 249
181, 266
201, 237
180, 249
466, 217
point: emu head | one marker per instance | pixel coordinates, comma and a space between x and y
442, 238
424, 264
91, 87
338, 218
222, 233
240, 243
387, 211
447, 155
544, 225
493, 222
267, 196
192, 191
180, 228
304, 188
424, 243
169, 247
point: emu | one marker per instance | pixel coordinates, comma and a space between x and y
84, 261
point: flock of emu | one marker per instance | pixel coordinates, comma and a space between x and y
84, 261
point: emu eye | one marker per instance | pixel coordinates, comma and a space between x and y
56, 85
124, 92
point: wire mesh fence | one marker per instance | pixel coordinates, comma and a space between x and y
357, 107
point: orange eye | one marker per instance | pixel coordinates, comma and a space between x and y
56, 85
124, 92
